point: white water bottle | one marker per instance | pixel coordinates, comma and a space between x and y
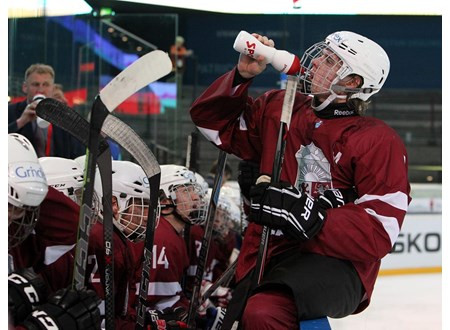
39, 121
281, 60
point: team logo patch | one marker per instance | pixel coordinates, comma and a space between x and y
313, 173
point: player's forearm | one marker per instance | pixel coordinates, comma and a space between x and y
224, 115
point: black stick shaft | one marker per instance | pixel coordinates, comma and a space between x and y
207, 236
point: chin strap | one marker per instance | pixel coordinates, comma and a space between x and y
330, 97
174, 212
166, 206
328, 101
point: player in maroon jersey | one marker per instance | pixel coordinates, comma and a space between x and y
42, 228
323, 258
130, 202
222, 246
181, 199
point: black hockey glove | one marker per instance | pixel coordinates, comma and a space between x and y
248, 173
168, 318
67, 309
282, 206
334, 198
26, 290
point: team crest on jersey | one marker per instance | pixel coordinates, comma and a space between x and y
313, 173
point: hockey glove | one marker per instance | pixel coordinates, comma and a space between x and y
168, 318
282, 206
26, 290
67, 309
248, 173
219, 298
212, 319
334, 198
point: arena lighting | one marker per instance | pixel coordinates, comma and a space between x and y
37, 8
313, 7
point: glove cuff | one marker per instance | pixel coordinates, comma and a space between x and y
263, 178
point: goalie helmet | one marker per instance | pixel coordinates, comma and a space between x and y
64, 175
342, 54
27, 188
180, 186
131, 191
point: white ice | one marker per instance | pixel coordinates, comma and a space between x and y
400, 302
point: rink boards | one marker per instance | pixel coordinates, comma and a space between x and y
418, 248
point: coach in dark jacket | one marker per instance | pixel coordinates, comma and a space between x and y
39, 79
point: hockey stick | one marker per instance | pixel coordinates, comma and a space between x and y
286, 113
64, 117
140, 73
192, 152
207, 236
138, 149
191, 164
129, 140
224, 278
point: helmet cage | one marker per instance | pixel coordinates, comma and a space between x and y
131, 192
330, 68
188, 200
132, 220
20, 227
222, 218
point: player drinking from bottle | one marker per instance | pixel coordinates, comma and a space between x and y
325, 248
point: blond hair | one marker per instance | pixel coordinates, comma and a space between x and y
40, 69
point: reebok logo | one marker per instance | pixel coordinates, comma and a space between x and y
343, 112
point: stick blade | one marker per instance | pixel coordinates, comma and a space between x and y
145, 70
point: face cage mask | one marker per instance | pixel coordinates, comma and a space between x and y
189, 202
133, 220
76, 194
322, 70
20, 228
221, 222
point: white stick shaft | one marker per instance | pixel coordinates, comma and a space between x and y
289, 98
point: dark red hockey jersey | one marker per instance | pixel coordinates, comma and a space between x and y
170, 261
125, 266
346, 152
49, 248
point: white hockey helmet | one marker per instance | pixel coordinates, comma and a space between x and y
233, 190
131, 189
81, 160
227, 213
202, 182
180, 186
64, 175
27, 188
357, 54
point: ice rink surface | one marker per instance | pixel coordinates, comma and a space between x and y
400, 302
